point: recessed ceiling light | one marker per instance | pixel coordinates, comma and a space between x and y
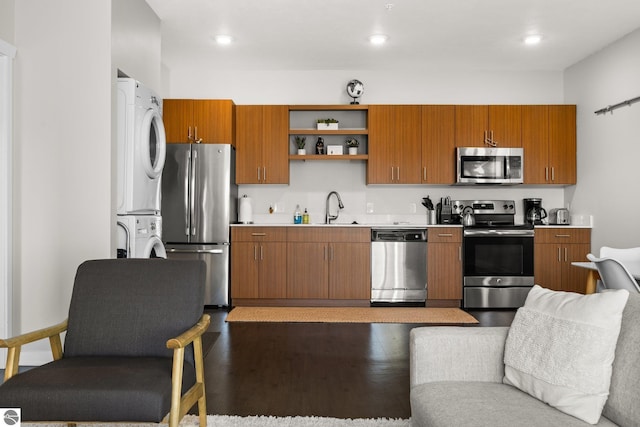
223, 39
378, 39
532, 39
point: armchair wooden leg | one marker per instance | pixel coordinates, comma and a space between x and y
202, 401
176, 387
13, 358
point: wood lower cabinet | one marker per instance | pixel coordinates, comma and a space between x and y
476, 124
395, 144
549, 141
330, 264
444, 266
258, 263
554, 251
262, 150
199, 120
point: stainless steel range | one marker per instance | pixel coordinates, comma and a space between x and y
497, 255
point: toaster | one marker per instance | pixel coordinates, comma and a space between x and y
559, 216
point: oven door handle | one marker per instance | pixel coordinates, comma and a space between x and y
490, 232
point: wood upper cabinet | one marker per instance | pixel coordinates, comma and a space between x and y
258, 262
395, 144
329, 263
444, 264
438, 144
549, 141
477, 123
199, 120
554, 251
262, 153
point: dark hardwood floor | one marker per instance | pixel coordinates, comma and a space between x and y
321, 369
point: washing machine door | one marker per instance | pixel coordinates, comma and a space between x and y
154, 248
153, 143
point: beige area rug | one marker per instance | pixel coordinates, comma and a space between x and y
254, 421
432, 316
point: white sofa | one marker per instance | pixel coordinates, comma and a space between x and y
457, 380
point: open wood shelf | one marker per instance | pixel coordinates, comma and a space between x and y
328, 132
328, 107
328, 157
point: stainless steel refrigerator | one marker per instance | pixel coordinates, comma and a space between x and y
199, 202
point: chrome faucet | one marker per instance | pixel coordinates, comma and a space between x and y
328, 217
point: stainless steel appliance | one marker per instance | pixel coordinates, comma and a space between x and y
534, 213
497, 255
398, 265
484, 165
199, 202
559, 216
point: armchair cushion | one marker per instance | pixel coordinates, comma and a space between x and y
105, 389
131, 307
561, 346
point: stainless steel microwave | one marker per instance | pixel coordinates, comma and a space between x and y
485, 165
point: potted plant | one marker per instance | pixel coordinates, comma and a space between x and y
352, 144
300, 143
327, 124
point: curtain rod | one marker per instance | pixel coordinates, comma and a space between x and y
628, 102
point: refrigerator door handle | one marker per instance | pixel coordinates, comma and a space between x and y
192, 193
186, 192
195, 251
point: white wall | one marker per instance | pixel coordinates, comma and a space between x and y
137, 42
608, 147
311, 181
64, 152
62, 183
6, 20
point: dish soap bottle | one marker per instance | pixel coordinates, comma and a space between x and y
297, 217
305, 217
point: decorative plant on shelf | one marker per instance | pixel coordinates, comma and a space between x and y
352, 145
301, 142
352, 142
327, 121
324, 124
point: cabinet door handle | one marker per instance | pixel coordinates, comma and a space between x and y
398, 168
546, 174
255, 252
445, 235
563, 235
424, 173
392, 174
264, 173
559, 254
259, 234
258, 174
330, 253
195, 136
261, 253
553, 174
566, 255
459, 253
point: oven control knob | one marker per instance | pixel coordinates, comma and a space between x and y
498, 281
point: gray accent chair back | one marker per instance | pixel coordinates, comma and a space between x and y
131, 323
614, 274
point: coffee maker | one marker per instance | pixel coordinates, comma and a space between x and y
534, 213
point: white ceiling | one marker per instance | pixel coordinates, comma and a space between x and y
444, 34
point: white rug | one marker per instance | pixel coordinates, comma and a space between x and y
258, 421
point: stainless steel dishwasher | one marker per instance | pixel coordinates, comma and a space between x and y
398, 265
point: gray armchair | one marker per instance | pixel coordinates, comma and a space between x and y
132, 352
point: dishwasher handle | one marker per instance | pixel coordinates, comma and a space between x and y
394, 235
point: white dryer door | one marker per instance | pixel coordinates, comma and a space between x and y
154, 247
153, 144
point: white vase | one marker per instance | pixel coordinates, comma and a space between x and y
302, 151
353, 151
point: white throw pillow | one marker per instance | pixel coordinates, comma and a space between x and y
561, 346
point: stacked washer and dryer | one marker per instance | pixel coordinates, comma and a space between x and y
141, 155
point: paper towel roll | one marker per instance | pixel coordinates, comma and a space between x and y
245, 211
